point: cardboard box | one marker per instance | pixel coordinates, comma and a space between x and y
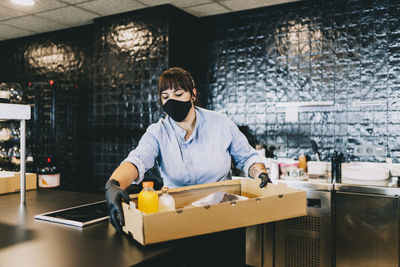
10, 182
272, 203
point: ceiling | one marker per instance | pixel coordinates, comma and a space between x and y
49, 15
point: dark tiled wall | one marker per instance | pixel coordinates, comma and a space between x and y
105, 91
243, 63
60, 112
131, 52
340, 51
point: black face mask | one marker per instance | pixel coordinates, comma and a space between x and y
177, 110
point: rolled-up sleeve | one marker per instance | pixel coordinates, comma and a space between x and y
144, 155
242, 153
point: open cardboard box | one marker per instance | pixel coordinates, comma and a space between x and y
11, 182
268, 204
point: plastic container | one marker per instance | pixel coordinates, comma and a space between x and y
285, 163
166, 202
318, 168
48, 175
148, 199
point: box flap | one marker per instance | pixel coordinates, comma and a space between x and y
133, 223
253, 186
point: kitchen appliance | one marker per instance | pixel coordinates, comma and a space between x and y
307, 240
303, 241
79, 216
367, 226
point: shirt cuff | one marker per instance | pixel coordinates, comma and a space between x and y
139, 166
251, 161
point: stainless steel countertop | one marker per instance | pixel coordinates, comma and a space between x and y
308, 184
368, 189
391, 190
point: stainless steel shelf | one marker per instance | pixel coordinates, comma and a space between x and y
15, 112
21, 113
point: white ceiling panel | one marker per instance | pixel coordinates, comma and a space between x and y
189, 3
40, 5
109, 7
236, 5
12, 32
74, 1
6, 13
35, 24
69, 16
49, 15
153, 2
207, 9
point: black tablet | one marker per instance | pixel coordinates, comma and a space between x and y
78, 216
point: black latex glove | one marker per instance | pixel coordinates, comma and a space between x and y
114, 196
264, 179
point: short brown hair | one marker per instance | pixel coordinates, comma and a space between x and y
175, 78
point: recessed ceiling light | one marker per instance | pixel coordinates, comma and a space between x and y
24, 2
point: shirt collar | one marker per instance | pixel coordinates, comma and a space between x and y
180, 132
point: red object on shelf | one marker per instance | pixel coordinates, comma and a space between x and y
51, 82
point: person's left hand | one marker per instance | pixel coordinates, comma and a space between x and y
264, 179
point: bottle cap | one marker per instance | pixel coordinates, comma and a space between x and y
148, 184
164, 189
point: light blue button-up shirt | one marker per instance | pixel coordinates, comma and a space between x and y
204, 158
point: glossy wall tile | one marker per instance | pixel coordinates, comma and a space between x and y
132, 51
341, 51
244, 63
54, 70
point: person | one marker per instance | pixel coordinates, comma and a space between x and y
192, 145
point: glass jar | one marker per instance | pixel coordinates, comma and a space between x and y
16, 93
5, 133
4, 161
48, 174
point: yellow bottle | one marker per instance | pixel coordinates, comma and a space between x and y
303, 162
148, 198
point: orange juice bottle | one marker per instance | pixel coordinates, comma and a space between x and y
148, 198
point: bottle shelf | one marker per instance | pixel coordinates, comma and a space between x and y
21, 113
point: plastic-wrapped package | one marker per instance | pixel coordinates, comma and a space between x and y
217, 197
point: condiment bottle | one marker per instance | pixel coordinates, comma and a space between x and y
48, 175
148, 198
166, 202
303, 162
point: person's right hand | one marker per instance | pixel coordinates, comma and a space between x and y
114, 195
